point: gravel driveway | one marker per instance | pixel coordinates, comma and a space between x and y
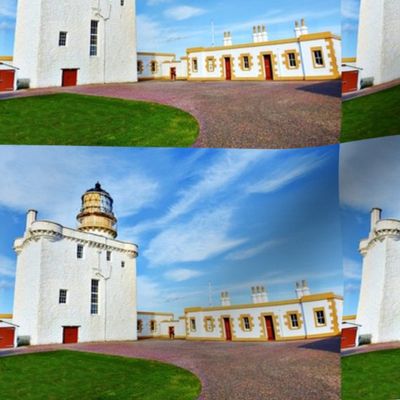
241, 114
301, 370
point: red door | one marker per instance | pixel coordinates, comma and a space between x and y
228, 333
270, 328
70, 334
228, 69
349, 337
6, 337
349, 81
173, 74
69, 77
268, 67
7, 77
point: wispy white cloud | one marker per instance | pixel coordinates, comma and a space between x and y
350, 9
181, 13
288, 172
7, 267
182, 274
76, 170
157, 2
250, 252
370, 175
202, 237
351, 269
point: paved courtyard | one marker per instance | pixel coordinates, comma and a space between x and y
241, 114
301, 370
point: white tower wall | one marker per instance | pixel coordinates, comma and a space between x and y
379, 304
40, 58
378, 51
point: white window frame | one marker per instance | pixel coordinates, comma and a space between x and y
94, 297
62, 39
62, 296
94, 37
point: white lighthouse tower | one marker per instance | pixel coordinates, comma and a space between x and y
378, 52
75, 285
378, 312
64, 43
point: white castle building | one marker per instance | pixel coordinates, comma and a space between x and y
75, 284
378, 48
305, 56
63, 43
308, 316
378, 315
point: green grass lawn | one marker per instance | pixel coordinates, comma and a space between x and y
371, 376
71, 119
372, 116
70, 375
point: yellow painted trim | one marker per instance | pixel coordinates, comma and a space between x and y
304, 299
286, 60
334, 317
222, 326
263, 327
242, 324
223, 66
214, 64
274, 62
6, 316
303, 38
332, 55
349, 59
288, 320
6, 58
154, 313
157, 54
315, 310
345, 317
212, 320
251, 63
313, 50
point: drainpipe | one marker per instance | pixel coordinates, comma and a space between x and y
105, 19
302, 60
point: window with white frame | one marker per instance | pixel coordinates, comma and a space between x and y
246, 62
94, 297
193, 324
62, 297
195, 65
320, 317
62, 39
94, 31
294, 320
246, 323
79, 251
318, 58
292, 60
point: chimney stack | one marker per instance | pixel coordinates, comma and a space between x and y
259, 295
227, 39
303, 27
297, 29
225, 299
376, 214
260, 34
302, 289
31, 216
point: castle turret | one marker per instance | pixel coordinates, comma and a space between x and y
96, 215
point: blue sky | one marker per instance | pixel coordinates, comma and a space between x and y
174, 25
350, 16
369, 177
235, 218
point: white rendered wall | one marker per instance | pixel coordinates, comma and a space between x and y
282, 327
160, 59
305, 70
378, 51
146, 318
178, 325
41, 59
47, 263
